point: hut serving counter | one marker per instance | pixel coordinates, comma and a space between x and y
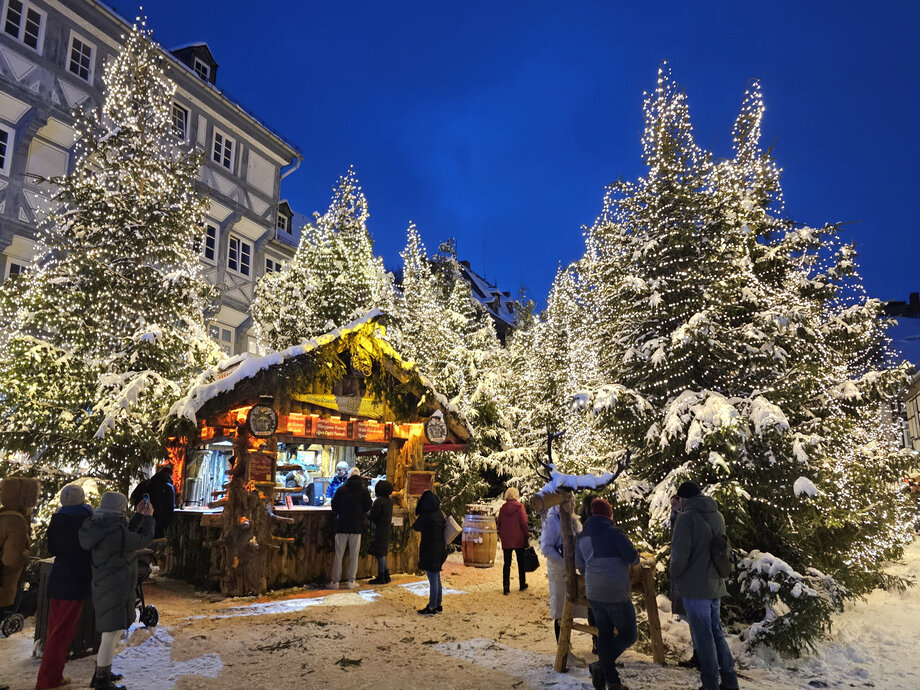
303, 411
193, 552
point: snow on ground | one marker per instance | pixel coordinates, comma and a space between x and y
372, 638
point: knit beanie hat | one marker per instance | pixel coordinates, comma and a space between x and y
113, 502
601, 507
688, 490
72, 495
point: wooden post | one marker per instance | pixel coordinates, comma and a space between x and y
651, 610
566, 508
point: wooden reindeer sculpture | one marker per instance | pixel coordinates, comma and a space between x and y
560, 490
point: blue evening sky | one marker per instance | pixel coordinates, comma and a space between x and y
500, 123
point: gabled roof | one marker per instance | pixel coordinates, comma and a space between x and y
233, 373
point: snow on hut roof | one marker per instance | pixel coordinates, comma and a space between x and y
227, 374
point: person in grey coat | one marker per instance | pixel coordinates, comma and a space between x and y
695, 578
113, 543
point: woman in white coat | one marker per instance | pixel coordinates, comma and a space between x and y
551, 546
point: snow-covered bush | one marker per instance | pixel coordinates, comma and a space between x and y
795, 608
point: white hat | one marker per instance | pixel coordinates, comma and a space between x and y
341, 465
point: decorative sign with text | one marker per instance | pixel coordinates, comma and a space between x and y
262, 421
262, 468
436, 428
418, 483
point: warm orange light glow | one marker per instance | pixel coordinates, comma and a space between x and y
240, 413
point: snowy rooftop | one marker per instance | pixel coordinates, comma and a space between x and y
499, 303
229, 373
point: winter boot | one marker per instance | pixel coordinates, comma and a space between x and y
386, 575
104, 679
381, 579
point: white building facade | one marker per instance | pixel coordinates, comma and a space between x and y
52, 56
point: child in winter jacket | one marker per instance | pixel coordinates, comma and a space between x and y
18, 496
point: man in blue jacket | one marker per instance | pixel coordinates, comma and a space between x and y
694, 578
603, 554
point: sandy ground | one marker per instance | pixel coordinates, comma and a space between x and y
373, 638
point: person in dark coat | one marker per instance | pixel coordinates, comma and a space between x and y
381, 525
68, 584
113, 543
512, 530
603, 554
350, 505
696, 580
432, 549
162, 497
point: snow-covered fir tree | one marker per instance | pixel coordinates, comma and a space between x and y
107, 331
333, 278
728, 345
451, 337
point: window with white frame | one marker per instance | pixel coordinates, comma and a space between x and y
24, 22
202, 69
271, 265
239, 256
222, 152
81, 57
14, 268
180, 121
6, 149
207, 244
282, 223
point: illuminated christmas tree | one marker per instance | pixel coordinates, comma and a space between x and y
728, 345
333, 278
450, 336
107, 332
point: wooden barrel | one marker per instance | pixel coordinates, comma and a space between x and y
480, 539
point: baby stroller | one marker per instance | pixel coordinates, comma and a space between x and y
13, 619
148, 614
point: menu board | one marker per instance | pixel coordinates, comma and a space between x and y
261, 468
373, 432
419, 482
336, 429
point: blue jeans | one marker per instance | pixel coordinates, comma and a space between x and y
709, 643
616, 632
381, 565
434, 588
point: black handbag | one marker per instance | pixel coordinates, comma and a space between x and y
529, 559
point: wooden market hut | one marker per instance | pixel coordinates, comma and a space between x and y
347, 391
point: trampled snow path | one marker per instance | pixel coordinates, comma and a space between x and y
152, 661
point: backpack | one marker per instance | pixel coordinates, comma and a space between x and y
720, 551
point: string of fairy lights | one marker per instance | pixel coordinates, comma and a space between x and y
108, 326
692, 280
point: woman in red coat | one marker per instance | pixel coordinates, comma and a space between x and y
512, 530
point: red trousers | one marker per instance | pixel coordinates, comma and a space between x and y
63, 618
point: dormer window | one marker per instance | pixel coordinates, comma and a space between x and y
202, 69
283, 223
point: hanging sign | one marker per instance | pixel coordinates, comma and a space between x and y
262, 421
436, 428
418, 482
261, 468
